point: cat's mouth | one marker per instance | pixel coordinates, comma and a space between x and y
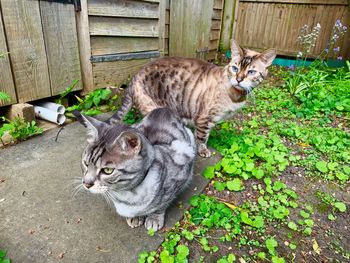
246, 90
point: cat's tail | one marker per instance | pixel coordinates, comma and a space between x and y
124, 108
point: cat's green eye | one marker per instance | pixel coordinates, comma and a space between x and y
234, 69
107, 170
251, 72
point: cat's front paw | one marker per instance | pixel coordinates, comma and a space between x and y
203, 151
135, 221
154, 221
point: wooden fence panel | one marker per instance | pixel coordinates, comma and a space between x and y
102, 45
6, 80
116, 72
111, 26
124, 36
25, 40
264, 24
190, 28
124, 8
61, 45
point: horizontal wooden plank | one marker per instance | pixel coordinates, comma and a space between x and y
218, 4
123, 8
117, 72
216, 14
125, 56
314, 2
213, 44
116, 26
101, 45
214, 34
166, 31
167, 17
216, 24
211, 55
166, 46
151, 1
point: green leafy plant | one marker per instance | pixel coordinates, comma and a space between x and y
4, 96
90, 104
3, 258
65, 93
19, 129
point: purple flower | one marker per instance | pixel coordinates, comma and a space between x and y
291, 67
338, 22
326, 50
336, 49
340, 58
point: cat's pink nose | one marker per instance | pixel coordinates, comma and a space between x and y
239, 79
87, 185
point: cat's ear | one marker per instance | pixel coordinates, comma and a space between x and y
236, 51
93, 126
129, 142
268, 56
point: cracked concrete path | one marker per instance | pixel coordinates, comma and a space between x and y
40, 221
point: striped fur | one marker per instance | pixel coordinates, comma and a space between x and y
151, 163
196, 90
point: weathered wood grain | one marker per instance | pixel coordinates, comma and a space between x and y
117, 72
161, 26
190, 27
101, 45
6, 80
82, 20
278, 25
321, 2
124, 8
60, 34
227, 23
116, 26
25, 40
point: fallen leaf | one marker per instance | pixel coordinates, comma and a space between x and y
303, 144
2, 200
233, 207
31, 231
98, 248
242, 260
316, 247
61, 255
79, 220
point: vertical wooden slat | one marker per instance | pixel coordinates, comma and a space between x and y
6, 80
264, 24
61, 43
190, 28
26, 45
82, 20
161, 26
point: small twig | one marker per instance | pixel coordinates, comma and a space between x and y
58, 133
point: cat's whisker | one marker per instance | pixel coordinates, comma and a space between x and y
76, 190
108, 199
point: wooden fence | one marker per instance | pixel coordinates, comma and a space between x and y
41, 41
122, 36
195, 28
261, 24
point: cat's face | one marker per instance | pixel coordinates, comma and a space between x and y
247, 68
114, 158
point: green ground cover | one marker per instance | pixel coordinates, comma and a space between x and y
281, 190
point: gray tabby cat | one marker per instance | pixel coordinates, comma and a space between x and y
141, 169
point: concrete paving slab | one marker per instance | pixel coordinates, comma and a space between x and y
42, 222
